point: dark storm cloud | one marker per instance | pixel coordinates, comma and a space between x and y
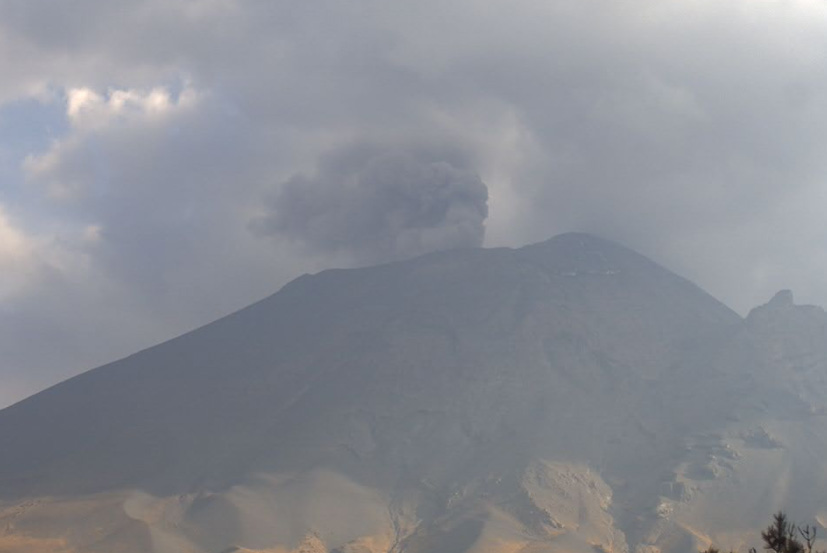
378, 206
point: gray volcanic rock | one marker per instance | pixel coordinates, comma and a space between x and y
769, 452
567, 395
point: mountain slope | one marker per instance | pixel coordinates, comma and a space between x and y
475, 400
768, 454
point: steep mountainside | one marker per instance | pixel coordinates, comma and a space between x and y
568, 395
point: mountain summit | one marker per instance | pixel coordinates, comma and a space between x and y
568, 395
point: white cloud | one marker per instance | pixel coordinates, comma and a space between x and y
29, 260
74, 162
88, 110
17, 258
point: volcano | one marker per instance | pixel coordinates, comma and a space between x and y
570, 395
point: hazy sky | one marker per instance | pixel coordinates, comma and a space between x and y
164, 162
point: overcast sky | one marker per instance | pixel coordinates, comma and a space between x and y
165, 162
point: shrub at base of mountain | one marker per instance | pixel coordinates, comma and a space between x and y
783, 536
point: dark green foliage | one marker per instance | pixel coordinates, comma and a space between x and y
780, 536
783, 536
